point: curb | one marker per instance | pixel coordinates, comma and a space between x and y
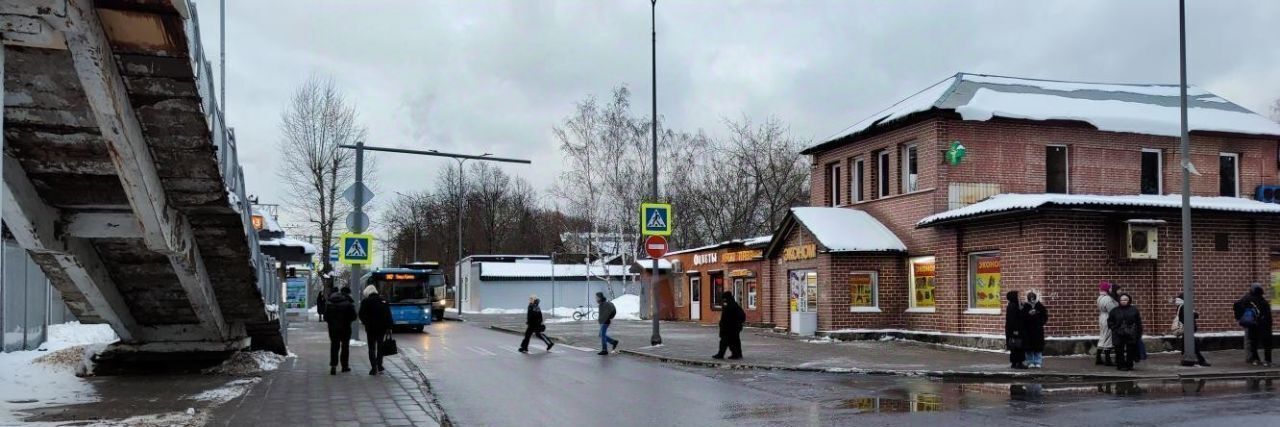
433, 402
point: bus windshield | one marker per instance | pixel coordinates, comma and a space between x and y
411, 291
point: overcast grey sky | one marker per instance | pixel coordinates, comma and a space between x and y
495, 76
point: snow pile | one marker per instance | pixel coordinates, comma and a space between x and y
227, 392
75, 333
848, 230
45, 377
628, 307
246, 363
1008, 202
503, 311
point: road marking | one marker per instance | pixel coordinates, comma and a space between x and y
449, 350
576, 348
481, 351
510, 349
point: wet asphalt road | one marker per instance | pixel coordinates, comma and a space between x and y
480, 380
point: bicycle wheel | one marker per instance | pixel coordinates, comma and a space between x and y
577, 316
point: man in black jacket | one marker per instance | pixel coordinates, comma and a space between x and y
534, 326
340, 311
731, 320
1257, 334
607, 312
375, 314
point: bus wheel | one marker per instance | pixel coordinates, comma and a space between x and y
418, 328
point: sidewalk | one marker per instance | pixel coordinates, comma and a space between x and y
693, 344
301, 392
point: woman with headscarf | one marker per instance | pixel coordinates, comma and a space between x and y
1179, 332
1106, 302
1036, 316
1014, 324
1126, 331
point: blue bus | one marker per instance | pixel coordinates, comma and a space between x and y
415, 292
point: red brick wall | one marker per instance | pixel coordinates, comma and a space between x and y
833, 291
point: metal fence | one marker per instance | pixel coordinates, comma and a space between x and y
28, 304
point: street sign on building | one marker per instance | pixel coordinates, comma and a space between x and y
655, 219
655, 246
355, 249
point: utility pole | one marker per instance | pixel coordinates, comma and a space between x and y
1188, 282
358, 227
653, 278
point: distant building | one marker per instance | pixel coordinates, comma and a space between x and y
507, 281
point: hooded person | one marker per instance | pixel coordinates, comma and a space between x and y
1106, 303
375, 314
1125, 322
1179, 330
731, 320
1036, 316
1253, 313
1014, 326
607, 312
340, 311
534, 326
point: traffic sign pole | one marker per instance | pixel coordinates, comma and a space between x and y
357, 207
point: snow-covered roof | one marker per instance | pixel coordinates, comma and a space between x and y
1012, 202
269, 222
307, 248
756, 241
539, 270
647, 263
1145, 109
847, 230
752, 241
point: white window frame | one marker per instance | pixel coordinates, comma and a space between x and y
911, 284
859, 168
833, 185
1159, 170
1235, 156
970, 271
904, 158
875, 293
882, 177
752, 292
1066, 158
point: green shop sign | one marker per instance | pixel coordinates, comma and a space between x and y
955, 153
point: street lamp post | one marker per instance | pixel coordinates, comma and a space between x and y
457, 291
653, 278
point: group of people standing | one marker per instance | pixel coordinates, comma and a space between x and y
1024, 330
338, 310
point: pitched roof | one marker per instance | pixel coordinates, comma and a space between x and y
841, 230
1019, 202
1135, 108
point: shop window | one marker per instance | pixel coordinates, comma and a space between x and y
1229, 174
923, 272
717, 292
984, 281
858, 171
1275, 279
803, 290
1152, 171
864, 288
677, 293
910, 171
1056, 179
834, 179
882, 173
751, 294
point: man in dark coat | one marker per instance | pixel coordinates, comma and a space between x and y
607, 312
1126, 330
375, 314
1035, 317
1014, 326
340, 311
731, 319
1259, 333
321, 300
534, 326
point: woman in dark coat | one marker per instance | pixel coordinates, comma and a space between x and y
1036, 316
1014, 325
1126, 330
534, 326
731, 320
375, 314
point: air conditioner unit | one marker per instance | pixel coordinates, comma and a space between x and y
1140, 241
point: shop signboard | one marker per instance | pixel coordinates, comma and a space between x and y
798, 253
295, 292
743, 256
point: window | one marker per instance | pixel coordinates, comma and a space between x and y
803, 290
751, 294
695, 289
1221, 242
882, 173
677, 293
1152, 171
1055, 169
1229, 174
1275, 279
863, 291
739, 285
717, 292
858, 170
922, 282
833, 184
984, 281
910, 171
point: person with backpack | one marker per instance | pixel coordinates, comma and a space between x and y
1126, 331
340, 311
1253, 313
534, 326
1014, 325
1106, 302
731, 320
1178, 332
1035, 317
607, 312
375, 314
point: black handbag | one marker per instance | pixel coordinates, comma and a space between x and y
540, 328
388, 347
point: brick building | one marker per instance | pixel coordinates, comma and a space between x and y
1060, 185
701, 275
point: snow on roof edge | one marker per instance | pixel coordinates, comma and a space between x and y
1018, 201
847, 230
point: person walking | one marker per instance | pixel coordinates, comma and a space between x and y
1179, 332
1014, 325
321, 300
1253, 313
534, 326
340, 312
1126, 331
607, 312
375, 314
731, 320
1106, 302
1035, 317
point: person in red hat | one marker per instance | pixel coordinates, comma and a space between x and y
1102, 356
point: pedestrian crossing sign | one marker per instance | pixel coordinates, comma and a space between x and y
356, 249
655, 219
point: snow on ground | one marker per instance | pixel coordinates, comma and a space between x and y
44, 377
628, 307
249, 363
503, 311
227, 392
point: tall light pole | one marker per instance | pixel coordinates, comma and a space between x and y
462, 198
1188, 282
653, 278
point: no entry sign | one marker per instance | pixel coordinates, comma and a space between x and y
655, 246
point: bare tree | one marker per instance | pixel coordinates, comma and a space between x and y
770, 156
317, 120
1275, 110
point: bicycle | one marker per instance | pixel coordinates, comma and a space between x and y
584, 313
